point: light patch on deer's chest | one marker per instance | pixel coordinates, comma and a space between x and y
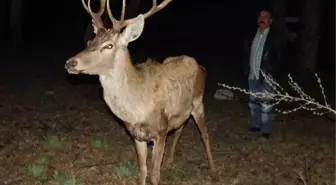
116, 107
126, 103
118, 100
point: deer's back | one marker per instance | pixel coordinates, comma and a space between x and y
179, 68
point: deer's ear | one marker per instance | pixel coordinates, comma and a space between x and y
133, 30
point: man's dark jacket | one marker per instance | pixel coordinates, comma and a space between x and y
273, 55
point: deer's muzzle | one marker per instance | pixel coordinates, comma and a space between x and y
70, 66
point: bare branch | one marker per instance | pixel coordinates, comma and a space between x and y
305, 101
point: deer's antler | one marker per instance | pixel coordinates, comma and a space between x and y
117, 25
96, 17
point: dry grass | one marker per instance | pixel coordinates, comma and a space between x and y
301, 144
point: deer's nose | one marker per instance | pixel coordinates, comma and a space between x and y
70, 64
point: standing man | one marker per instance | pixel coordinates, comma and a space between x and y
262, 52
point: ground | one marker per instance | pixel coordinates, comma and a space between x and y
53, 124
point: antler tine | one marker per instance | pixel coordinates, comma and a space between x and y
122, 18
96, 17
102, 7
155, 8
84, 5
88, 7
117, 25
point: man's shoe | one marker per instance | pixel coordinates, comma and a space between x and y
254, 129
265, 135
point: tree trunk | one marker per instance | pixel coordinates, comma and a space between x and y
4, 10
278, 11
308, 44
310, 35
15, 23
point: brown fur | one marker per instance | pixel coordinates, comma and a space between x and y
150, 98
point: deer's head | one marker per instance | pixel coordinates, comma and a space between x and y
109, 45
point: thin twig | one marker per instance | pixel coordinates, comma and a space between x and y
307, 169
302, 178
95, 165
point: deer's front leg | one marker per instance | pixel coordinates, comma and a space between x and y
157, 155
141, 148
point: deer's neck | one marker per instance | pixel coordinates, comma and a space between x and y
123, 68
122, 87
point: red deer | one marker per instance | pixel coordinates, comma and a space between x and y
151, 98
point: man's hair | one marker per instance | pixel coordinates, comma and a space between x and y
269, 13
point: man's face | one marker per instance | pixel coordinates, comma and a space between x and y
264, 19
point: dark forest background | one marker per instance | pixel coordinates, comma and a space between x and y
213, 28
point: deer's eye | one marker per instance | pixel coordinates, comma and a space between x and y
109, 46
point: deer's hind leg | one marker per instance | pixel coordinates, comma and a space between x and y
178, 122
176, 135
198, 114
